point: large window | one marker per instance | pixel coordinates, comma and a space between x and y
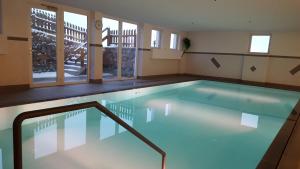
174, 41
260, 43
119, 65
76, 47
155, 39
49, 67
44, 46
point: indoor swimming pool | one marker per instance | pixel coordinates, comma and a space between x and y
199, 124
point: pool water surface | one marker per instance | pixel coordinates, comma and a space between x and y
200, 125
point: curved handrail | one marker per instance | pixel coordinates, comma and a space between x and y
17, 127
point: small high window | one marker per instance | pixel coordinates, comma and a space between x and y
155, 39
260, 43
174, 41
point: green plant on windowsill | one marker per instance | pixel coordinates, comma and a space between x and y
186, 44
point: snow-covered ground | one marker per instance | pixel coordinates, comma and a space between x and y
49, 75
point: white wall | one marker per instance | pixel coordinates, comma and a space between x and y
14, 65
272, 70
162, 61
14, 69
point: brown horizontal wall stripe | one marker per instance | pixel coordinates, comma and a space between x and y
144, 49
96, 45
244, 54
17, 38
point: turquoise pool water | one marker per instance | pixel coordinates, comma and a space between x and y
200, 125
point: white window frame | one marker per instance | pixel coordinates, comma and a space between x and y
60, 42
119, 74
159, 38
176, 41
269, 45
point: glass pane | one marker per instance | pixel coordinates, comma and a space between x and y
260, 44
173, 41
155, 39
76, 52
84, 139
129, 39
43, 29
110, 33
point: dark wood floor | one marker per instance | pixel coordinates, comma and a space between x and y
13, 97
290, 155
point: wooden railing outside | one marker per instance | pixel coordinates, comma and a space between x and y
46, 22
129, 38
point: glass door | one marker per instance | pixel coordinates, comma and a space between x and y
110, 42
75, 47
129, 50
119, 40
44, 46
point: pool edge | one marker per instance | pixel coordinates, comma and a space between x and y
154, 81
273, 156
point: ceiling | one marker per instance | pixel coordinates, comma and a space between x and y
208, 15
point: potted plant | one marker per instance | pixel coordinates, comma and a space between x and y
186, 44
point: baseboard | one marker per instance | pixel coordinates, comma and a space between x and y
11, 88
245, 82
95, 81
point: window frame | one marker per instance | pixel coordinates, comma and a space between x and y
177, 41
160, 39
261, 34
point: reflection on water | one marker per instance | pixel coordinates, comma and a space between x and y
129, 121
1, 162
45, 138
149, 115
243, 95
167, 109
103, 102
125, 112
249, 120
75, 129
107, 127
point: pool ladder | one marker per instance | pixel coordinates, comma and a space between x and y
17, 128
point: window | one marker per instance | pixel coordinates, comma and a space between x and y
155, 39
174, 41
260, 43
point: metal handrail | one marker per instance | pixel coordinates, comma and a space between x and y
17, 128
